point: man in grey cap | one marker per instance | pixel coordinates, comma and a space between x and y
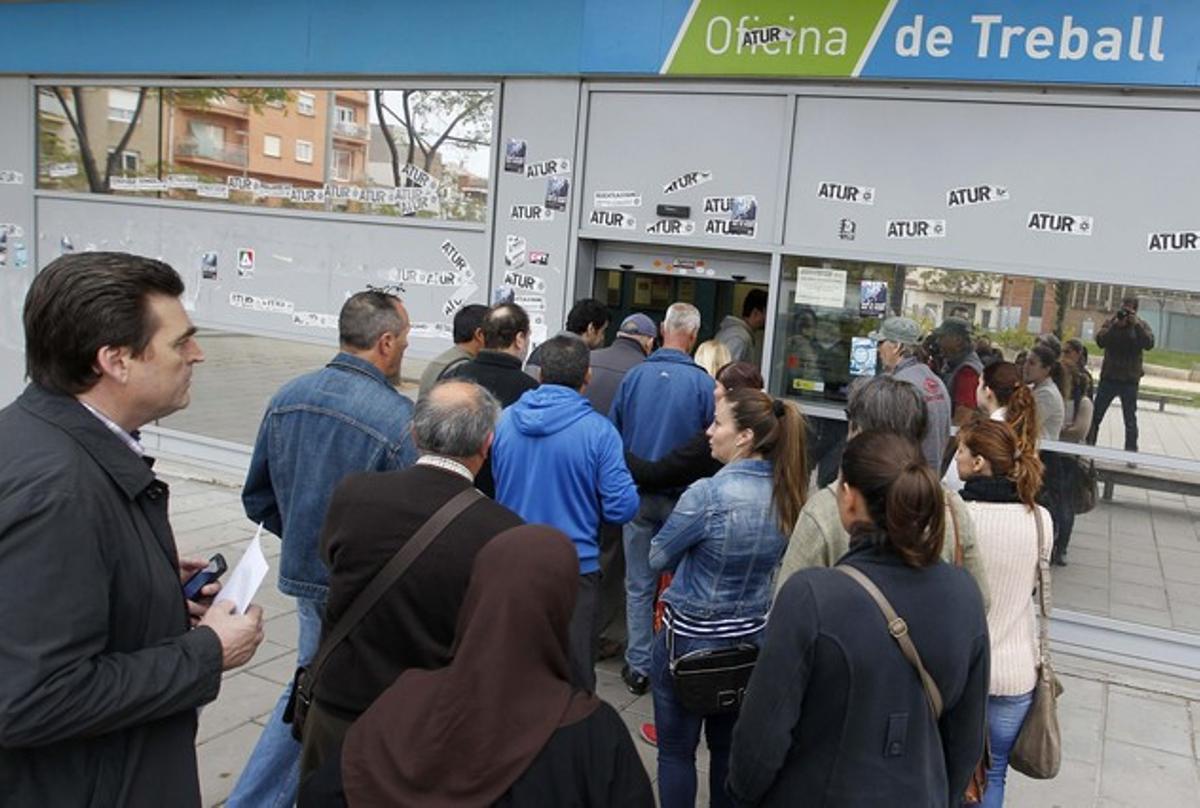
961, 367
896, 338
634, 342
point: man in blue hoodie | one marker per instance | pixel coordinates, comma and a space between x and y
659, 406
559, 462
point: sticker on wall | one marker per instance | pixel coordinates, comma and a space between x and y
270, 305
12, 230
183, 182
845, 192
1068, 224
975, 195
612, 218
412, 200
10, 177
539, 258
847, 229
457, 259
431, 331
503, 294
916, 228
3, 249
237, 183
531, 213
459, 299
273, 190
872, 298
212, 190
65, 245
1182, 241
378, 196
421, 277
672, 227
122, 184
208, 266
307, 196
418, 176
20, 255
343, 193
689, 180
522, 282
744, 208
514, 251
821, 287
547, 168
530, 302
729, 227
863, 356
557, 191
514, 155
245, 262
617, 199
314, 319
58, 171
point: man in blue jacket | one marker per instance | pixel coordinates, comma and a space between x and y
559, 462
659, 406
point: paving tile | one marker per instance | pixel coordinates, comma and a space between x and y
1160, 618
1082, 694
1069, 595
1156, 722
1140, 776
1087, 557
1185, 616
1082, 733
242, 697
1179, 592
1074, 787
1148, 597
1132, 573
280, 670
221, 760
1133, 557
283, 630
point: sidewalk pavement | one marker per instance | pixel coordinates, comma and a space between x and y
1130, 738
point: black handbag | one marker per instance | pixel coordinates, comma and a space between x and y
711, 681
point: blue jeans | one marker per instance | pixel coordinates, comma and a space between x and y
640, 581
679, 731
272, 774
1005, 715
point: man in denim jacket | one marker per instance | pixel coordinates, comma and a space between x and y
347, 417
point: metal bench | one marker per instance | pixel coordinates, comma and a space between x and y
1163, 398
1152, 479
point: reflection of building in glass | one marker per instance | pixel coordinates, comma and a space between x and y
932, 294
106, 114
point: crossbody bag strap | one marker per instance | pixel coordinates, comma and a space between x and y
386, 577
899, 631
1043, 589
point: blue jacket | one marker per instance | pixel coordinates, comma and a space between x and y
662, 403
318, 429
559, 462
724, 543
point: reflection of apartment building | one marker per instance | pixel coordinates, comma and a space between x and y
1030, 304
351, 132
934, 294
207, 135
106, 114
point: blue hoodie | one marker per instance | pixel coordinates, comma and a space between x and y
559, 462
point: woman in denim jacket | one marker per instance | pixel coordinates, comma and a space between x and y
724, 541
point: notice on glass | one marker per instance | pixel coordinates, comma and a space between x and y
821, 287
243, 583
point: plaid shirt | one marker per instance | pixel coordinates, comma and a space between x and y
115, 428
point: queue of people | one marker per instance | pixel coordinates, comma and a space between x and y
849, 646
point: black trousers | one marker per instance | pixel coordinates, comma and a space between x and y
585, 632
1127, 393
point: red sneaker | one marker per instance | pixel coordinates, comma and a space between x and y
649, 734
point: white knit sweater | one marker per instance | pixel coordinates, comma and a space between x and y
1008, 544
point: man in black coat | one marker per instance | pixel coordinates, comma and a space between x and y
101, 669
370, 518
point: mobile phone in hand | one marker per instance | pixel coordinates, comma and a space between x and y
202, 578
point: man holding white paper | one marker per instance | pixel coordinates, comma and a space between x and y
101, 670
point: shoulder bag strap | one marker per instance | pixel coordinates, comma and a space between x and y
452, 366
899, 631
1043, 589
958, 550
386, 577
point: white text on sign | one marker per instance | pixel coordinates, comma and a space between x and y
843, 192
916, 228
1068, 224
612, 218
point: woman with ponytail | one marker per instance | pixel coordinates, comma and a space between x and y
835, 714
1003, 480
1004, 396
724, 541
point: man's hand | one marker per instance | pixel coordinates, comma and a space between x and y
196, 608
240, 634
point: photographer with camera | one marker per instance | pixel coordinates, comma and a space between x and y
1124, 337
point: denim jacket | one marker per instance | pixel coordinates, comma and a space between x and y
318, 429
724, 544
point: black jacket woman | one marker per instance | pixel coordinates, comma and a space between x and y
835, 715
502, 724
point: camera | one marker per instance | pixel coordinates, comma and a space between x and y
1123, 313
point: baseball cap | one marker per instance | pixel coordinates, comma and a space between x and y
638, 325
956, 326
898, 329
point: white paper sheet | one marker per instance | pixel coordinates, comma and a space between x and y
243, 583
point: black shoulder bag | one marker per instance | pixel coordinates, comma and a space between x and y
307, 676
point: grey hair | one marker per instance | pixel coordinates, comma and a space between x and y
682, 318
887, 404
367, 316
454, 427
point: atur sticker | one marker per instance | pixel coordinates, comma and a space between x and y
672, 227
531, 213
689, 180
1179, 241
846, 192
612, 218
968, 195
916, 228
1063, 224
548, 168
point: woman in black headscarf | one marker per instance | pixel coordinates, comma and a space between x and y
501, 725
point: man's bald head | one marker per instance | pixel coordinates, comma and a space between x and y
455, 419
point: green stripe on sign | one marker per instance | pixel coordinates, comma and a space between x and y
774, 37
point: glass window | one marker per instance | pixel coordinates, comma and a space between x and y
405, 153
